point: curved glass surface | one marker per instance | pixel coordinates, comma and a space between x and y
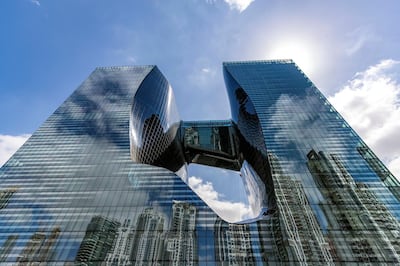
252, 150
154, 124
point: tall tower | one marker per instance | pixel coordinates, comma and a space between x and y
98, 241
119, 255
233, 244
181, 240
148, 239
103, 177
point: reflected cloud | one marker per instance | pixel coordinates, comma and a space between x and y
228, 210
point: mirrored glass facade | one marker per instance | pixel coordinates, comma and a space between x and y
102, 181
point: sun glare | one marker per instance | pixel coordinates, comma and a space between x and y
299, 52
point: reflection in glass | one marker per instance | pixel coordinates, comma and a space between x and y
181, 240
233, 244
307, 242
7, 247
210, 143
5, 196
120, 252
98, 240
148, 238
100, 182
352, 207
154, 123
377, 166
39, 247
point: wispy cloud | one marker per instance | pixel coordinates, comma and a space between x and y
9, 145
203, 76
370, 102
228, 210
239, 5
36, 2
357, 39
124, 55
131, 59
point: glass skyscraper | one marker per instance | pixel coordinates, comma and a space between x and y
103, 180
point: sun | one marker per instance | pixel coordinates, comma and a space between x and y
300, 52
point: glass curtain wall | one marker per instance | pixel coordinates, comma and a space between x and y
101, 182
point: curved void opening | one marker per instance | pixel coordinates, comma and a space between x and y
223, 190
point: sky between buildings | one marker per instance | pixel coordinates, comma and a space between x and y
349, 49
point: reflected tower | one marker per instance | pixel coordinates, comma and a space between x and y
181, 240
148, 238
233, 244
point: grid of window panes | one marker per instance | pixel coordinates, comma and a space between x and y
154, 120
352, 200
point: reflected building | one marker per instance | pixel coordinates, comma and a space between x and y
301, 235
98, 241
181, 240
104, 180
5, 196
147, 247
48, 248
233, 244
122, 246
380, 170
353, 208
7, 247
32, 248
40, 247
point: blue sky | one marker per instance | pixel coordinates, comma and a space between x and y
349, 49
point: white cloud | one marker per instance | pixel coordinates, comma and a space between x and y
228, 210
203, 77
394, 166
36, 2
9, 145
239, 5
370, 102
